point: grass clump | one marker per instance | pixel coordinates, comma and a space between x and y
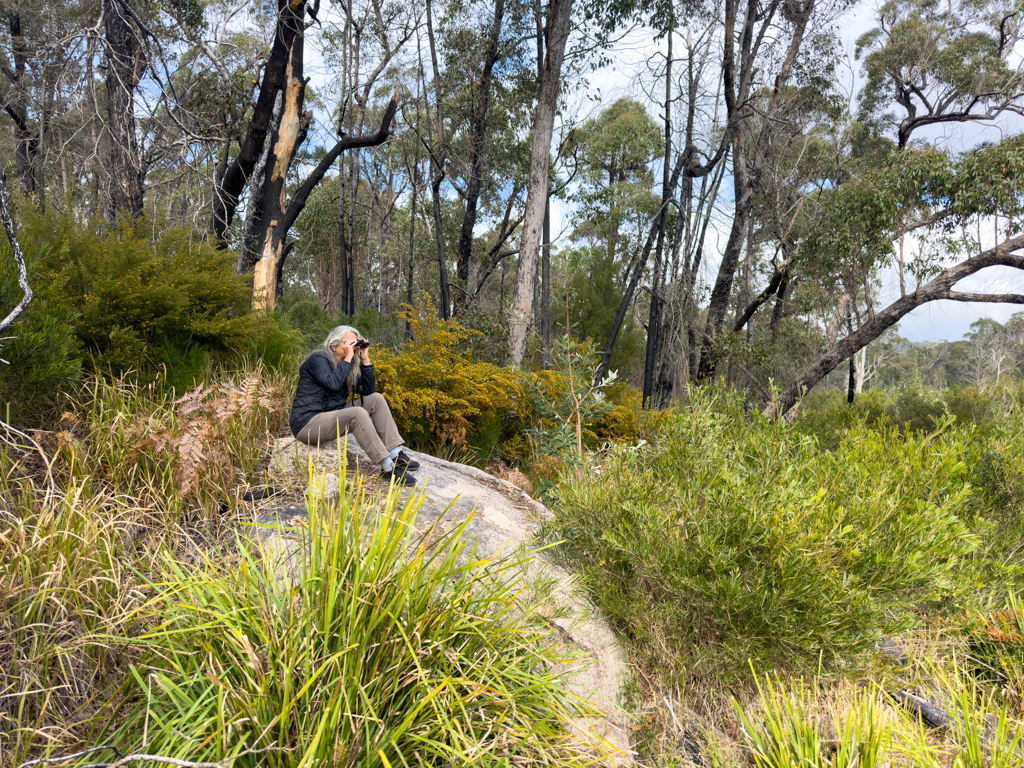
380, 651
734, 539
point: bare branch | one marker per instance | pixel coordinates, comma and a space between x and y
19, 258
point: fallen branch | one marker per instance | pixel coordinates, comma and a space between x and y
123, 762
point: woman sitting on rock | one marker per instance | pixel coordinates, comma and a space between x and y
325, 406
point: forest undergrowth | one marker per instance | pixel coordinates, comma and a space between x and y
857, 555
751, 569
137, 617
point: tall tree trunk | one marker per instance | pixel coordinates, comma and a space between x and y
288, 133
633, 279
545, 290
438, 155
557, 34
412, 237
747, 182
125, 64
278, 133
16, 106
239, 172
654, 339
477, 153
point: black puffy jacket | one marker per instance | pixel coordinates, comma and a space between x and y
324, 387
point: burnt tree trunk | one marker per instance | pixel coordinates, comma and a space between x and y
25, 138
240, 169
477, 153
438, 156
633, 279
126, 62
654, 337
267, 153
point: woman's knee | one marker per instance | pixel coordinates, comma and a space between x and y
374, 401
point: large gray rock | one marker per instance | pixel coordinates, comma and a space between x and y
504, 520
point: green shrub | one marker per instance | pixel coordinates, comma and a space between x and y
385, 651
41, 355
114, 300
736, 539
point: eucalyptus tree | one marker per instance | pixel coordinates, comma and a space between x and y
943, 64
369, 40
556, 30
278, 127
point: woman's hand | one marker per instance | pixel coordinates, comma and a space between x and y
348, 350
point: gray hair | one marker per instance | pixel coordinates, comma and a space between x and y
335, 336
334, 339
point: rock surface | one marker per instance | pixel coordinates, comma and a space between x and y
504, 519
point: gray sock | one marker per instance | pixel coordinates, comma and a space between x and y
393, 454
387, 464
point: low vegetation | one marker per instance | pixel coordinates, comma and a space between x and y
722, 546
732, 546
136, 615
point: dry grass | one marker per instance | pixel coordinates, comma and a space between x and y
134, 475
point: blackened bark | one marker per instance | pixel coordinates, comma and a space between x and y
125, 64
16, 106
229, 191
852, 382
412, 237
654, 337
780, 274
476, 155
634, 278
438, 155
778, 311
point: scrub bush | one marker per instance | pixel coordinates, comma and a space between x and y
115, 300
735, 539
439, 393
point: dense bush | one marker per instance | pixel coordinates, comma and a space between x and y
439, 393
736, 539
116, 300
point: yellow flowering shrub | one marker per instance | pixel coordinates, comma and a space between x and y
438, 392
622, 422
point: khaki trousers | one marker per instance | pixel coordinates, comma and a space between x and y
372, 426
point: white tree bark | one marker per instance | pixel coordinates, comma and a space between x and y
19, 259
540, 166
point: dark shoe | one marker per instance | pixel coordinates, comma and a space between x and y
400, 477
405, 461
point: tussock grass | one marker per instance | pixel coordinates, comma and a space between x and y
136, 609
380, 651
64, 580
